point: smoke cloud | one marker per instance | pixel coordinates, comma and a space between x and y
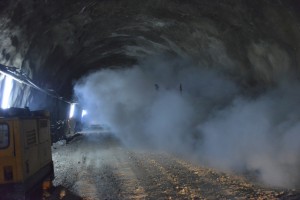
183, 108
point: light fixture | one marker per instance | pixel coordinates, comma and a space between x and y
8, 85
83, 113
22, 78
72, 110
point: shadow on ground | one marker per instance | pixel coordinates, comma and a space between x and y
62, 193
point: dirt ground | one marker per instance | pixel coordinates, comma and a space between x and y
98, 167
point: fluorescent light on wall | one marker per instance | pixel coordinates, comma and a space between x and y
8, 85
72, 110
83, 113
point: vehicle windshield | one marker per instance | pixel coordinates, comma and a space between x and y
4, 136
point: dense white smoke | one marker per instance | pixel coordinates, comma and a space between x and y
260, 134
175, 106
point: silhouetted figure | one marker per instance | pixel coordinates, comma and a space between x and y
180, 88
156, 87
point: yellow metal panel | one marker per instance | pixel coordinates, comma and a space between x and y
7, 162
43, 130
19, 154
45, 154
9, 151
29, 149
8, 156
31, 158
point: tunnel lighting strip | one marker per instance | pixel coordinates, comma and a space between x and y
15, 74
72, 110
8, 85
83, 113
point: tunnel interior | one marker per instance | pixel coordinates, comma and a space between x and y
215, 81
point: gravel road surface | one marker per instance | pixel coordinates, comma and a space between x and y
96, 166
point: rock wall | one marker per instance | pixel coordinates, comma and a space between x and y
57, 42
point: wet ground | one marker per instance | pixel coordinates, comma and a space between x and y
98, 167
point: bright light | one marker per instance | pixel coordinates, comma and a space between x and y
83, 113
8, 85
72, 110
7, 75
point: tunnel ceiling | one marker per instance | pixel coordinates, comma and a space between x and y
58, 41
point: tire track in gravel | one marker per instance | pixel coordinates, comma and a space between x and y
99, 168
109, 185
85, 184
230, 186
240, 187
155, 183
222, 185
65, 170
183, 191
107, 175
113, 178
190, 185
130, 185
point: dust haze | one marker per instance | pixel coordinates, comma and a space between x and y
179, 107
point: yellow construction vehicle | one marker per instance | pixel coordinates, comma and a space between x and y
25, 152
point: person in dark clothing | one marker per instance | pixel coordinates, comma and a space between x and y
156, 87
180, 88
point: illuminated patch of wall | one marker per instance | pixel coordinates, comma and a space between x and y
83, 113
6, 92
72, 110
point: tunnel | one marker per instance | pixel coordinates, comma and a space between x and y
159, 99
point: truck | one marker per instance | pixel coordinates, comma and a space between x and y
25, 152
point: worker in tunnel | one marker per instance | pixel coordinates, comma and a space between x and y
156, 86
180, 88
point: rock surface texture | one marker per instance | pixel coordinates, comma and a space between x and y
57, 42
